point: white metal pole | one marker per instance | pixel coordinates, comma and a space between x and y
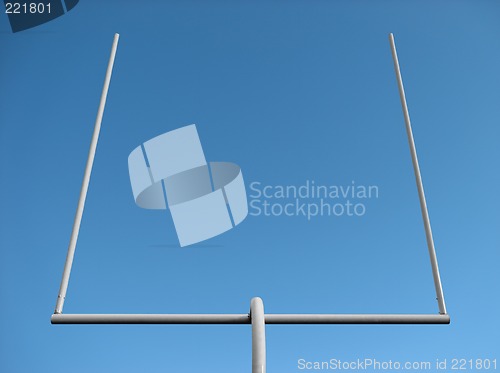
420, 187
245, 319
85, 182
258, 335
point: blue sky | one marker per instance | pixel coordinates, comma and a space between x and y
290, 91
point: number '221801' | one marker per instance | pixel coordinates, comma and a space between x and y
18, 8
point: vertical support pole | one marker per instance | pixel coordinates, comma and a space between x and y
258, 336
85, 183
420, 187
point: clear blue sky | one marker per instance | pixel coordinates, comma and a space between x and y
290, 91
